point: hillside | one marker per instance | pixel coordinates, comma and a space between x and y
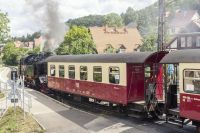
146, 18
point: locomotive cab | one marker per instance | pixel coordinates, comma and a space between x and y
185, 84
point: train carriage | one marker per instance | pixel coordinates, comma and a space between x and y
186, 107
122, 79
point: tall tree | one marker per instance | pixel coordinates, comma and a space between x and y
113, 20
78, 40
129, 16
11, 54
4, 28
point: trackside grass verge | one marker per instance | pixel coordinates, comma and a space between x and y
13, 122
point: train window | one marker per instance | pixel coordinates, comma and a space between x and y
198, 41
147, 71
192, 81
61, 71
182, 42
83, 73
71, 71
114, 75
52, 70
189, 41
97, 73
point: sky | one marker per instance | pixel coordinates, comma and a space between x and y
26, 19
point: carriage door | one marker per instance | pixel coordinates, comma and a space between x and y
151, 72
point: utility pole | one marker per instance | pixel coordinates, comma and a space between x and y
161, 22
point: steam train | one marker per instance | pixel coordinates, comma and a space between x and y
143, 83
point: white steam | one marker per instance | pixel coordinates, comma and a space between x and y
47, 14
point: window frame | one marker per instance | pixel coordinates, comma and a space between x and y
109, 75
84, 71
72, 71
97, 73
61, 76
191, 92
54, 70
197, 41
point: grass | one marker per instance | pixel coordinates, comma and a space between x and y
13, 122
1, 95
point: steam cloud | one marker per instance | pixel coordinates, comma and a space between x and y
47, 14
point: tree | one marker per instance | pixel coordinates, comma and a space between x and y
4, 28
129, 16
36, 50
11, 54
148, 43
87, 21
113, 20
78, 40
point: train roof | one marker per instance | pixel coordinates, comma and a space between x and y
135, 57
182, 56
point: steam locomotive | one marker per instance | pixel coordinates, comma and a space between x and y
34, 69
134, 82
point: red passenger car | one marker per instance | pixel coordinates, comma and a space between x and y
185, 84
131, 80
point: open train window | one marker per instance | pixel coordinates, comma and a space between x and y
192, 81
83, 73
114, 75
71, 71
61, 71
52, 70
97, 73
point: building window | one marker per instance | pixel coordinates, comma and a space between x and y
97, 74
189, 42
71, 72
83, 73
52, 70
192, 81
61, 71
122, 50
198, 41
182, 42
114, 75
173, 30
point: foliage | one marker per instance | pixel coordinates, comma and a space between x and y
113, 20
13, 122
129, 16
87, 21
36, 50
148, 43
11, 54
78, 40
4, 28
28, 37
109, 49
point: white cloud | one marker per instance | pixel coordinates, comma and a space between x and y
23, 18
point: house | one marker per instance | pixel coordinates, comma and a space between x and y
116, 40
184, 41
184, 21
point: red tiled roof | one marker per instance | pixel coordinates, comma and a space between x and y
128, 37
